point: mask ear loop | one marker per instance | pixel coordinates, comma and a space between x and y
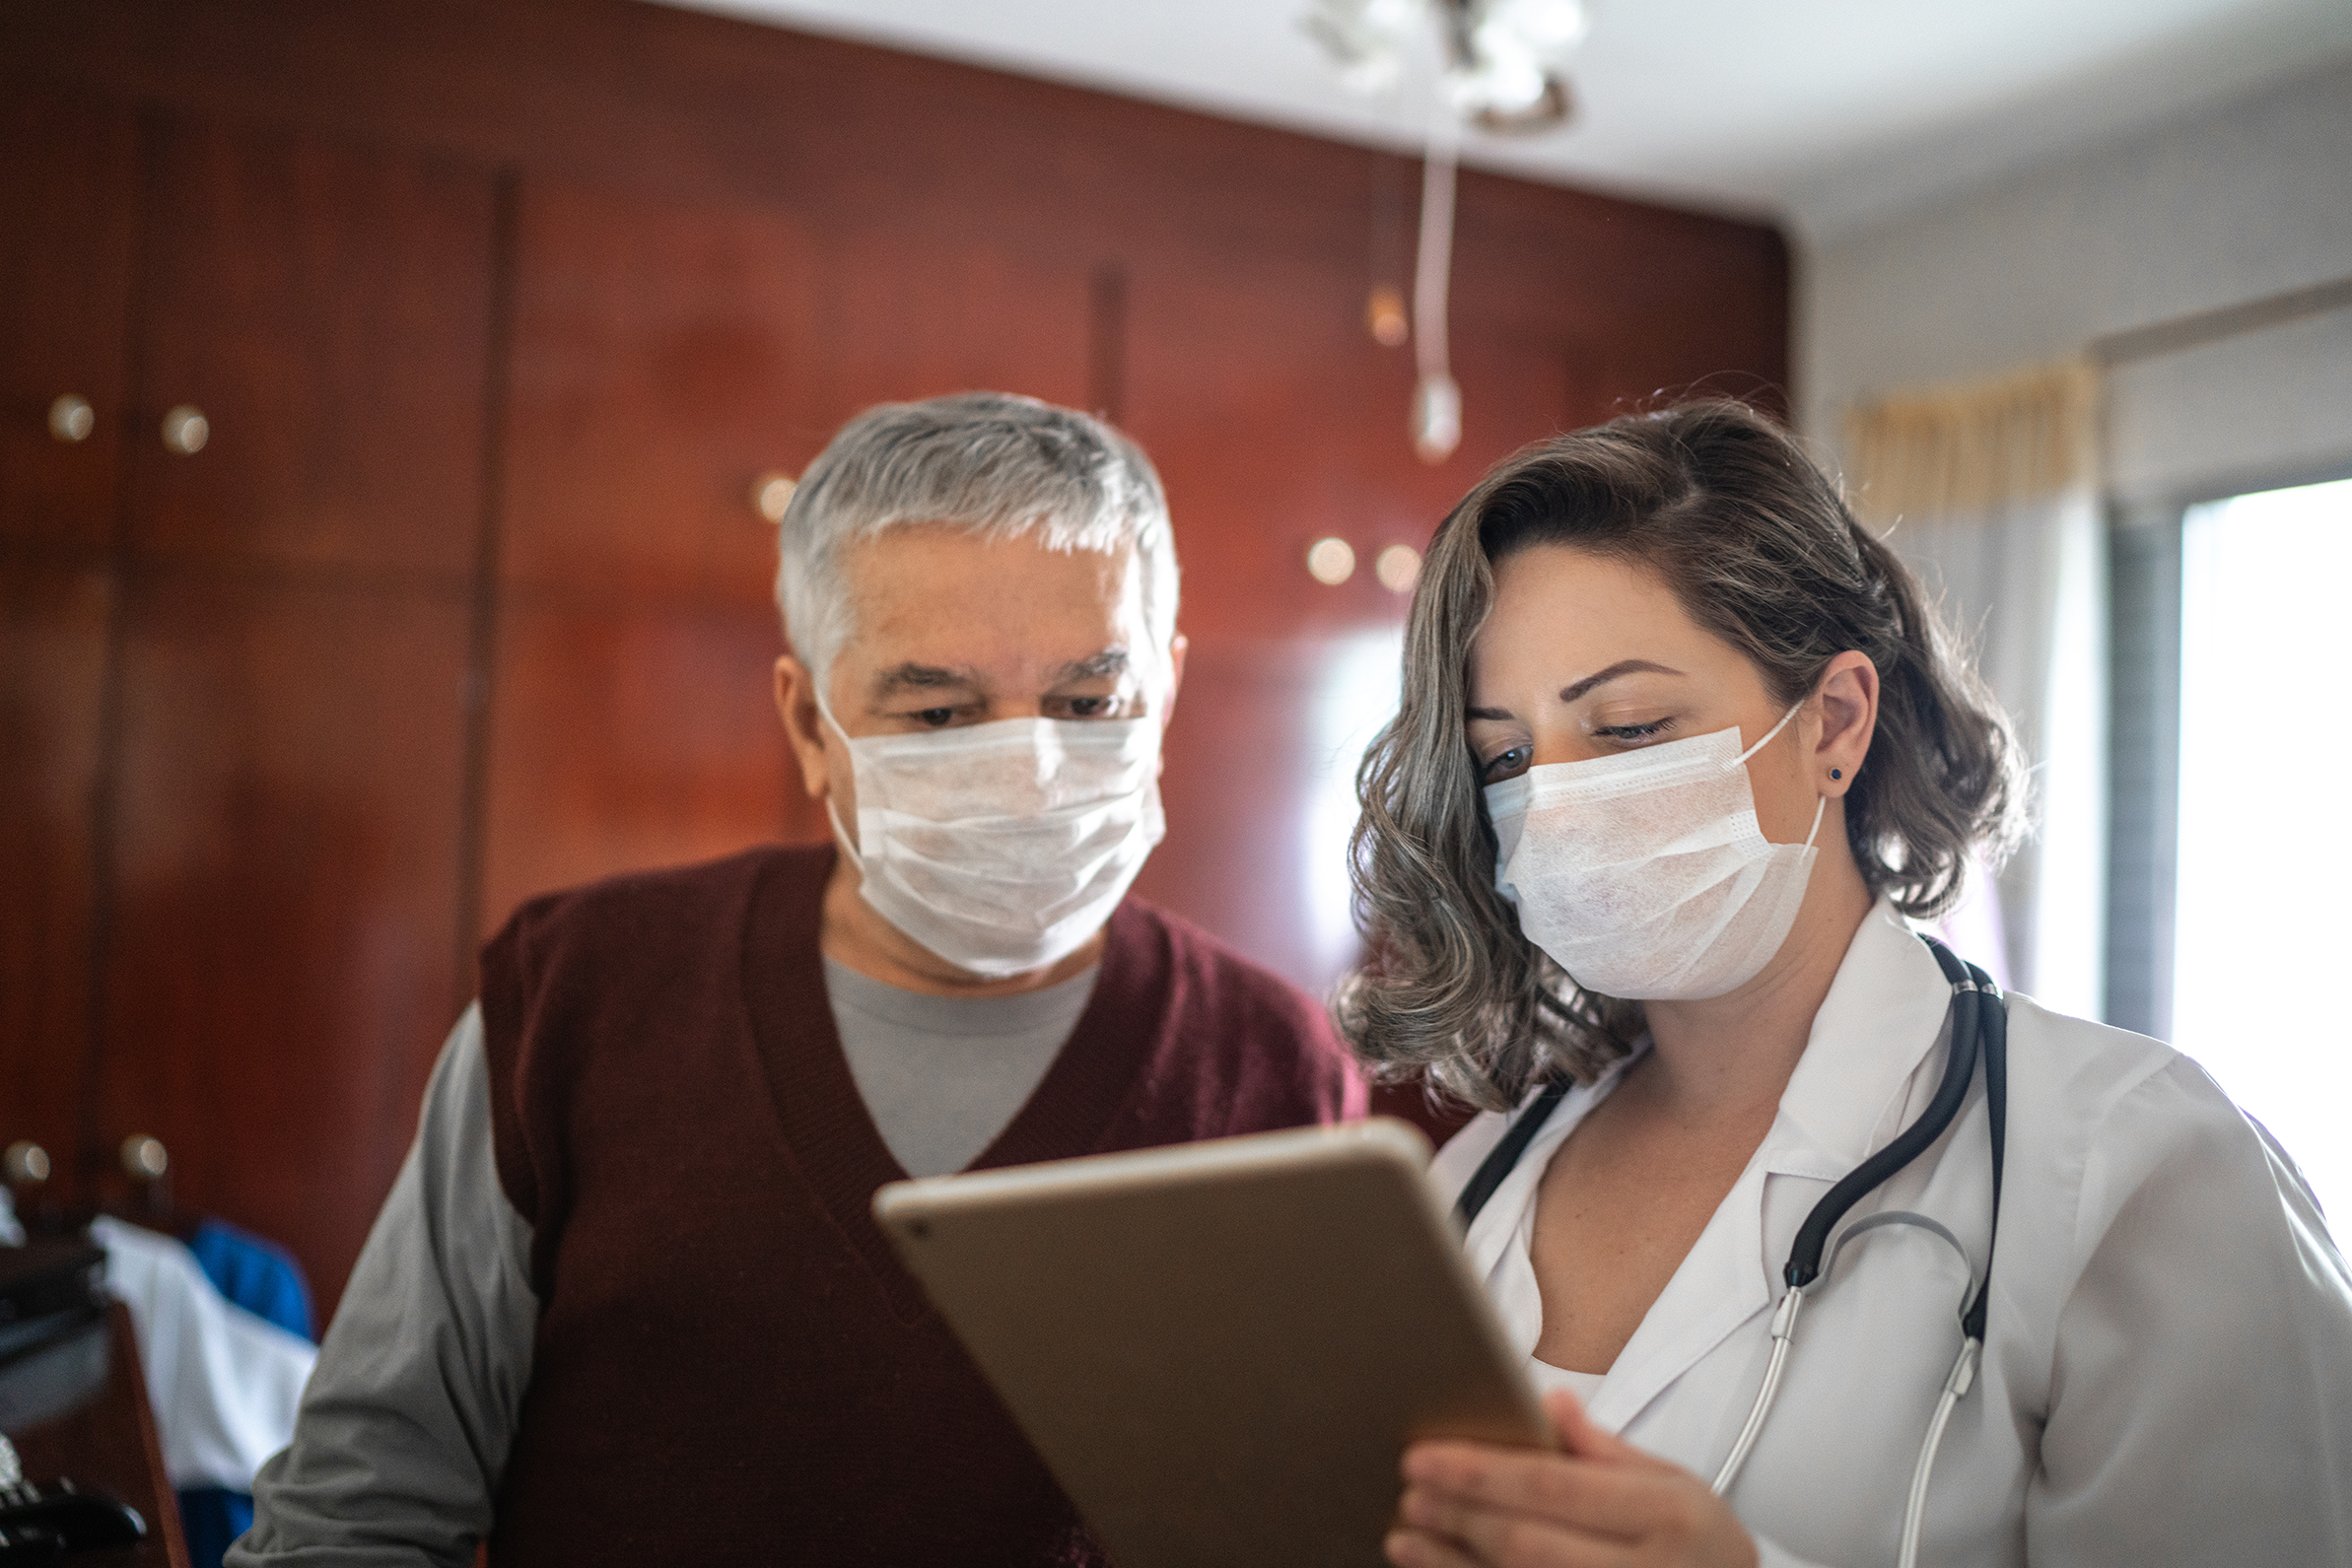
832, 811
1821, 803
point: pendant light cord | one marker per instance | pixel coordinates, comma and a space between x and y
1436, 400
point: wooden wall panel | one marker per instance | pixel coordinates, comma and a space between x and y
1274, 419
633, 737
921, 307
1259, 793
53, 624
286, 878
68, 173
326, 306
666, 355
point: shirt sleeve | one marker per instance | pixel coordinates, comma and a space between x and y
2200, 1401
404, 1429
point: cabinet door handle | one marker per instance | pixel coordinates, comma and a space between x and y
71, 418
187, 430
27, 1164
144, 1157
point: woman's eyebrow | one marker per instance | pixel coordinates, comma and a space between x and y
1624, 667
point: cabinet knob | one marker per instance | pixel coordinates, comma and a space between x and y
187, 430
27, 1164
71, 418
145, 1158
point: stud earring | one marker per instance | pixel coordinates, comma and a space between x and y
1836, 774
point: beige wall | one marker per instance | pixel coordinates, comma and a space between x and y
2229, 204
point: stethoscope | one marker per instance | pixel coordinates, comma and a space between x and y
1979, 1028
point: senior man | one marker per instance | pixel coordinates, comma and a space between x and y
625, 1303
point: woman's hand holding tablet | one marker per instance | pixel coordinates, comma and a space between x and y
1599, 1500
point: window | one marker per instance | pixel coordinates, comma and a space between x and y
2263, 913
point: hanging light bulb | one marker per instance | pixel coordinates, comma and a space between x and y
1436, 417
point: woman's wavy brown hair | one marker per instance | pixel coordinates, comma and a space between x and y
1759, 549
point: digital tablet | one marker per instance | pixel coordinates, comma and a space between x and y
1222, 1349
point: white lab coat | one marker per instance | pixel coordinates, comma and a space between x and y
2168, 1370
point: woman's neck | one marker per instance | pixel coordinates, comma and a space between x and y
1731, 1057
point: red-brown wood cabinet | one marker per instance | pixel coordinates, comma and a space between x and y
494, 315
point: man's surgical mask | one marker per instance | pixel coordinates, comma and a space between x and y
1645, 875
1003, 846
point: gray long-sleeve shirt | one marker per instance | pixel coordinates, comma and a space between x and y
406, 1424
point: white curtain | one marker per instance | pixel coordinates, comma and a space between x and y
1989, 492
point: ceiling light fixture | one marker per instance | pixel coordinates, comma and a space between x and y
1503, 66
1502, 71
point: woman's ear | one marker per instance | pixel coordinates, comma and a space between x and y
1849, 698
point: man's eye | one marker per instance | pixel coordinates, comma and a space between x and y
936, 718
1090, 707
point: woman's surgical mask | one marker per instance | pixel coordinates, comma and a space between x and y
1003, 846
1645, 875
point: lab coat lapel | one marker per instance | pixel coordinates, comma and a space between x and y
1885, 1011
1846, 1097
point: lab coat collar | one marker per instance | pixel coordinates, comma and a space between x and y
1883, 1014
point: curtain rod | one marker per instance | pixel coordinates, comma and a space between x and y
2201, 327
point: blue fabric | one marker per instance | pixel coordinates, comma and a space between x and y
212, 1520
258, 1276
264, 1278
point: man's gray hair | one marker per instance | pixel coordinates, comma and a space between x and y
996, 465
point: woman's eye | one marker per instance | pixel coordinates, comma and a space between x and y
1634, 734
1507, 764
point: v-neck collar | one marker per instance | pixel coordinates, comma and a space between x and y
827, 1130
1847, 1097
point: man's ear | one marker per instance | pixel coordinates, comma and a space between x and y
1177, 647
795, 704
1848, 695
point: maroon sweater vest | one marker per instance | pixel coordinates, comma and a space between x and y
731, 1365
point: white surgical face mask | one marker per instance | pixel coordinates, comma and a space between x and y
1003, 846
1645, 875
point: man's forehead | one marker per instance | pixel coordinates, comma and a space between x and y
914, 675
944, 601
1040, 543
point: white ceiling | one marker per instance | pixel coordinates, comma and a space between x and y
1824, 114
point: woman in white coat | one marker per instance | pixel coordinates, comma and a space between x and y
1680, 754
